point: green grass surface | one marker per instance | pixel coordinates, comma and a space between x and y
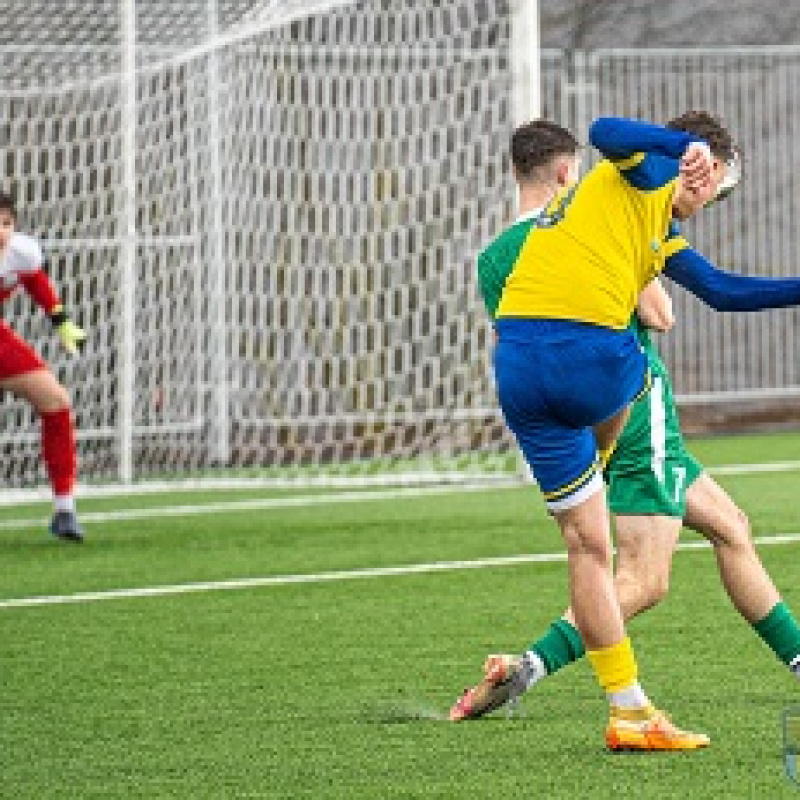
338, 689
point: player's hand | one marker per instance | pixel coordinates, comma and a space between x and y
72, 337
696, 166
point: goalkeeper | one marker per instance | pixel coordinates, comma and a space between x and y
655, 484
23, 373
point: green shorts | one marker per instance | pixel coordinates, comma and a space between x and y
651, 469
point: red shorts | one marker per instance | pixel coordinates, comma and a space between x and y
16, 356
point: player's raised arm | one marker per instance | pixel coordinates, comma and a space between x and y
619, 139
650, 156
727, 291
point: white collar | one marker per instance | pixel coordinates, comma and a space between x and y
530, 214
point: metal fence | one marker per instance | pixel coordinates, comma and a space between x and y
756, 91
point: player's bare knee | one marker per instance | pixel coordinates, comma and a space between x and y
55, 398
583, 543
736, 533
649, 586
658, 587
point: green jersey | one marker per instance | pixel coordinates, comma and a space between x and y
496, 261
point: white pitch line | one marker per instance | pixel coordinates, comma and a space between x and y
749, 469
343, 497
260, 504
327, 577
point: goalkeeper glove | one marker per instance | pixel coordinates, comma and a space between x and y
72, 337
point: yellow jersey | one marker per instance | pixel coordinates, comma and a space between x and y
597, 245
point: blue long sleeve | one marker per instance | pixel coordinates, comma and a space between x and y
726, 291
618, 138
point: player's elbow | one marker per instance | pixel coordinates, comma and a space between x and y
600, 129
603, 133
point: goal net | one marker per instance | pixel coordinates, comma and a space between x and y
266, 215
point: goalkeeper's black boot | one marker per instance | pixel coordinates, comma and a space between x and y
65, 525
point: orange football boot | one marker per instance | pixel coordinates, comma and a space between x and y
649, 729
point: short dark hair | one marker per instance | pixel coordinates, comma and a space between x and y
708, 128
536, 143
7, 203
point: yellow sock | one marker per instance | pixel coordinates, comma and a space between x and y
616, 670
615, 666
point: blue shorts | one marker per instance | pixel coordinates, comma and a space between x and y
556, 380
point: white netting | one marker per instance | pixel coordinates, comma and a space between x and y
312, 182
341, 169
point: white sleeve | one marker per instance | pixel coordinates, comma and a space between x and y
26, 253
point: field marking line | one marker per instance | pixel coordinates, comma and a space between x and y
258, 504
302, 501
751, 469
327, 577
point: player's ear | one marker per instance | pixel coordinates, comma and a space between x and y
563, 177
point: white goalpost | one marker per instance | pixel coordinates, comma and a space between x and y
266, 216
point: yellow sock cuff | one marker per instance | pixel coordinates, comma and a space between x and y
615, 666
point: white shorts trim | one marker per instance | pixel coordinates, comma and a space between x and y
595, 484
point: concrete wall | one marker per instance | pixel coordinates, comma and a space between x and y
586, 24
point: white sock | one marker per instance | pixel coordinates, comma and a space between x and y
629, 698
533, 668
794, 666
64, 502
